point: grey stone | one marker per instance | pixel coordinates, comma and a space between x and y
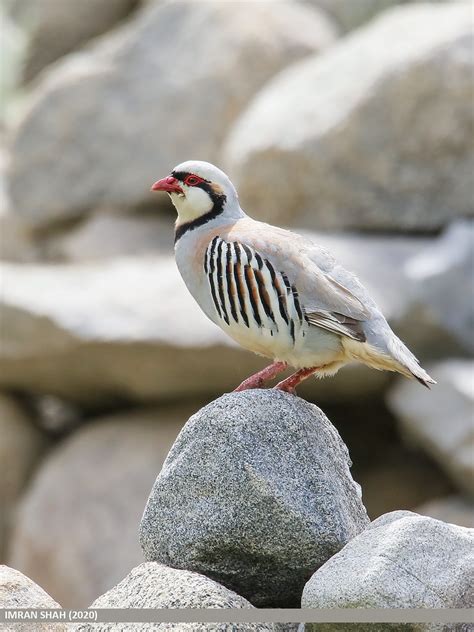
153, 585
103, 472
373, 134
105, 235
402, 560
18, 591
350, 14
441, 282
16, 242
256, 493
441, 421
21, 446
12, 50
123, 104
58, 27
455, 509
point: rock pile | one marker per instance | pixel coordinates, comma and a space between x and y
255, 506
329, 114
104, 471
147, 72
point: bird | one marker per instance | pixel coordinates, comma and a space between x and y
273, 291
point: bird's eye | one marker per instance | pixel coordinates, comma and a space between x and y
192, 181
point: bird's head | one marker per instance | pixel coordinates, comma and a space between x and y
199, 189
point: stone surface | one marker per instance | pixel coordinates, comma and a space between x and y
350, 14
455, 509
16, 242
147, 125
402, 560
106, 235
21, 446
18, 591
256, 493
441, 421
374, 134
58, 27
435, 277
12, 49
77, 528
153, 585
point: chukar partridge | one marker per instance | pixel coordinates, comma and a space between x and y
275, 292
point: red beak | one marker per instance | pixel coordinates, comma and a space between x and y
168, 184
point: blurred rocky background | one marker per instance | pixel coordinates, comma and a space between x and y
351, 120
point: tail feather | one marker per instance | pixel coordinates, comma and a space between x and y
405, 357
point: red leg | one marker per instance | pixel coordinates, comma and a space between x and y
289, 385
258, 379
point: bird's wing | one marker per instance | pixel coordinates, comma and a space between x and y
330, 304
327, 303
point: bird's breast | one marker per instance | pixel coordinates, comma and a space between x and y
252, 301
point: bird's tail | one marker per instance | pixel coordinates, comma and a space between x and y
409, 362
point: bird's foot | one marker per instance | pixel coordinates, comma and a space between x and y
289, 385
258, 379
285, 388
250, 382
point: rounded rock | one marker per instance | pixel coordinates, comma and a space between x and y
256, 493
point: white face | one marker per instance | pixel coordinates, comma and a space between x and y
195, 201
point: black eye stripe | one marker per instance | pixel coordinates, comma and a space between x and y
182, 175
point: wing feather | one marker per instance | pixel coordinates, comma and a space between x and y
337, 323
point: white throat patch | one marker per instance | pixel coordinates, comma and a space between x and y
195, 203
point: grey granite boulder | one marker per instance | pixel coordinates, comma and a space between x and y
440, 285
55, 28
21, 446
105, 234
351, 14
152, 585
163, 88
441, 422
19, 591
402, 560
373, 134
256, 493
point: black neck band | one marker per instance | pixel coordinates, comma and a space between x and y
218, 201
199, 221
